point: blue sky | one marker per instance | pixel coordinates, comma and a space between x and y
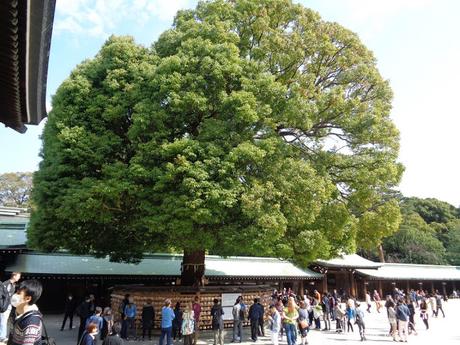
416, 43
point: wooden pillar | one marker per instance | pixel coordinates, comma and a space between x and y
407, 287
324, 285
353, 285
444, 288
432, 286
301, 289
380, 289
365, 289
453, 285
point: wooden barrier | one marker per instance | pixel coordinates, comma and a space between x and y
157, 295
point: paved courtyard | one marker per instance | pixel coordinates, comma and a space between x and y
445, 331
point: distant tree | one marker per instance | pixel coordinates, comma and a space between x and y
430, 209
252, 126
414, 242
453, 242
15, 189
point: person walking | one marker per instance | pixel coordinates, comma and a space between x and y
83, 312
432, 300
377, 300
360, 322
96, 319
167, 317
177, 322
339, 318
255, 312
392, 319
424, 313
274, 319
188, 324
130, 317
148, 318
439, 305
402, 315
411, 324
69, 310
197, 312
280, 307
290, 316
368, 301
303, 322
124, 324
9, 287
89, 335
351, 315
238, 312
217, 322
326, 312
114, 335
108, 323
261, 326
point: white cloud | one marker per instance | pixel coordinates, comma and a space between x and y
100, 18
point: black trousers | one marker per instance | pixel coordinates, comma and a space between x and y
254, 329
67, 316
81, 329
261, 327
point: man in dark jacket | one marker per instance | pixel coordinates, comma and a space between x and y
114, 338
27, 328
256, 311
261, 329
69, 309
217, 313
148, 317
84, 312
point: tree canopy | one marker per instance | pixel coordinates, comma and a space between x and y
429, 233
250, 127
15, 189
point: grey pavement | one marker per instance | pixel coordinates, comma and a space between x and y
444, 331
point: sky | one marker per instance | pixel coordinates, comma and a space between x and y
416, 43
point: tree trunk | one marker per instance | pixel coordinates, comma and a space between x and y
193, 268
381, 255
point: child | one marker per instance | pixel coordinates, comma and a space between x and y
339, 317
360, 321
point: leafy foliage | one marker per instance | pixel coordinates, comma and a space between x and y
15, 189
429, 233
250, 127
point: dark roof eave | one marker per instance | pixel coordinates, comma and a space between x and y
40, 20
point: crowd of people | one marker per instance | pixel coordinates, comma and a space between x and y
288, 315
180, 322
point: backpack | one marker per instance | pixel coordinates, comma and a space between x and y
5, 298
242, 312
216, 314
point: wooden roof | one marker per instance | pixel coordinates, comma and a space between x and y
25, 38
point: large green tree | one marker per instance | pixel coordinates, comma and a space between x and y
250, 127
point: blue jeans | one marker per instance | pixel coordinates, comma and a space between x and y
291, 333
166, 332
4, 323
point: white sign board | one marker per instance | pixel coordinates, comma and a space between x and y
228, 300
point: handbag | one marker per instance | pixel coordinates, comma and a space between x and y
303, 324
46, 340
